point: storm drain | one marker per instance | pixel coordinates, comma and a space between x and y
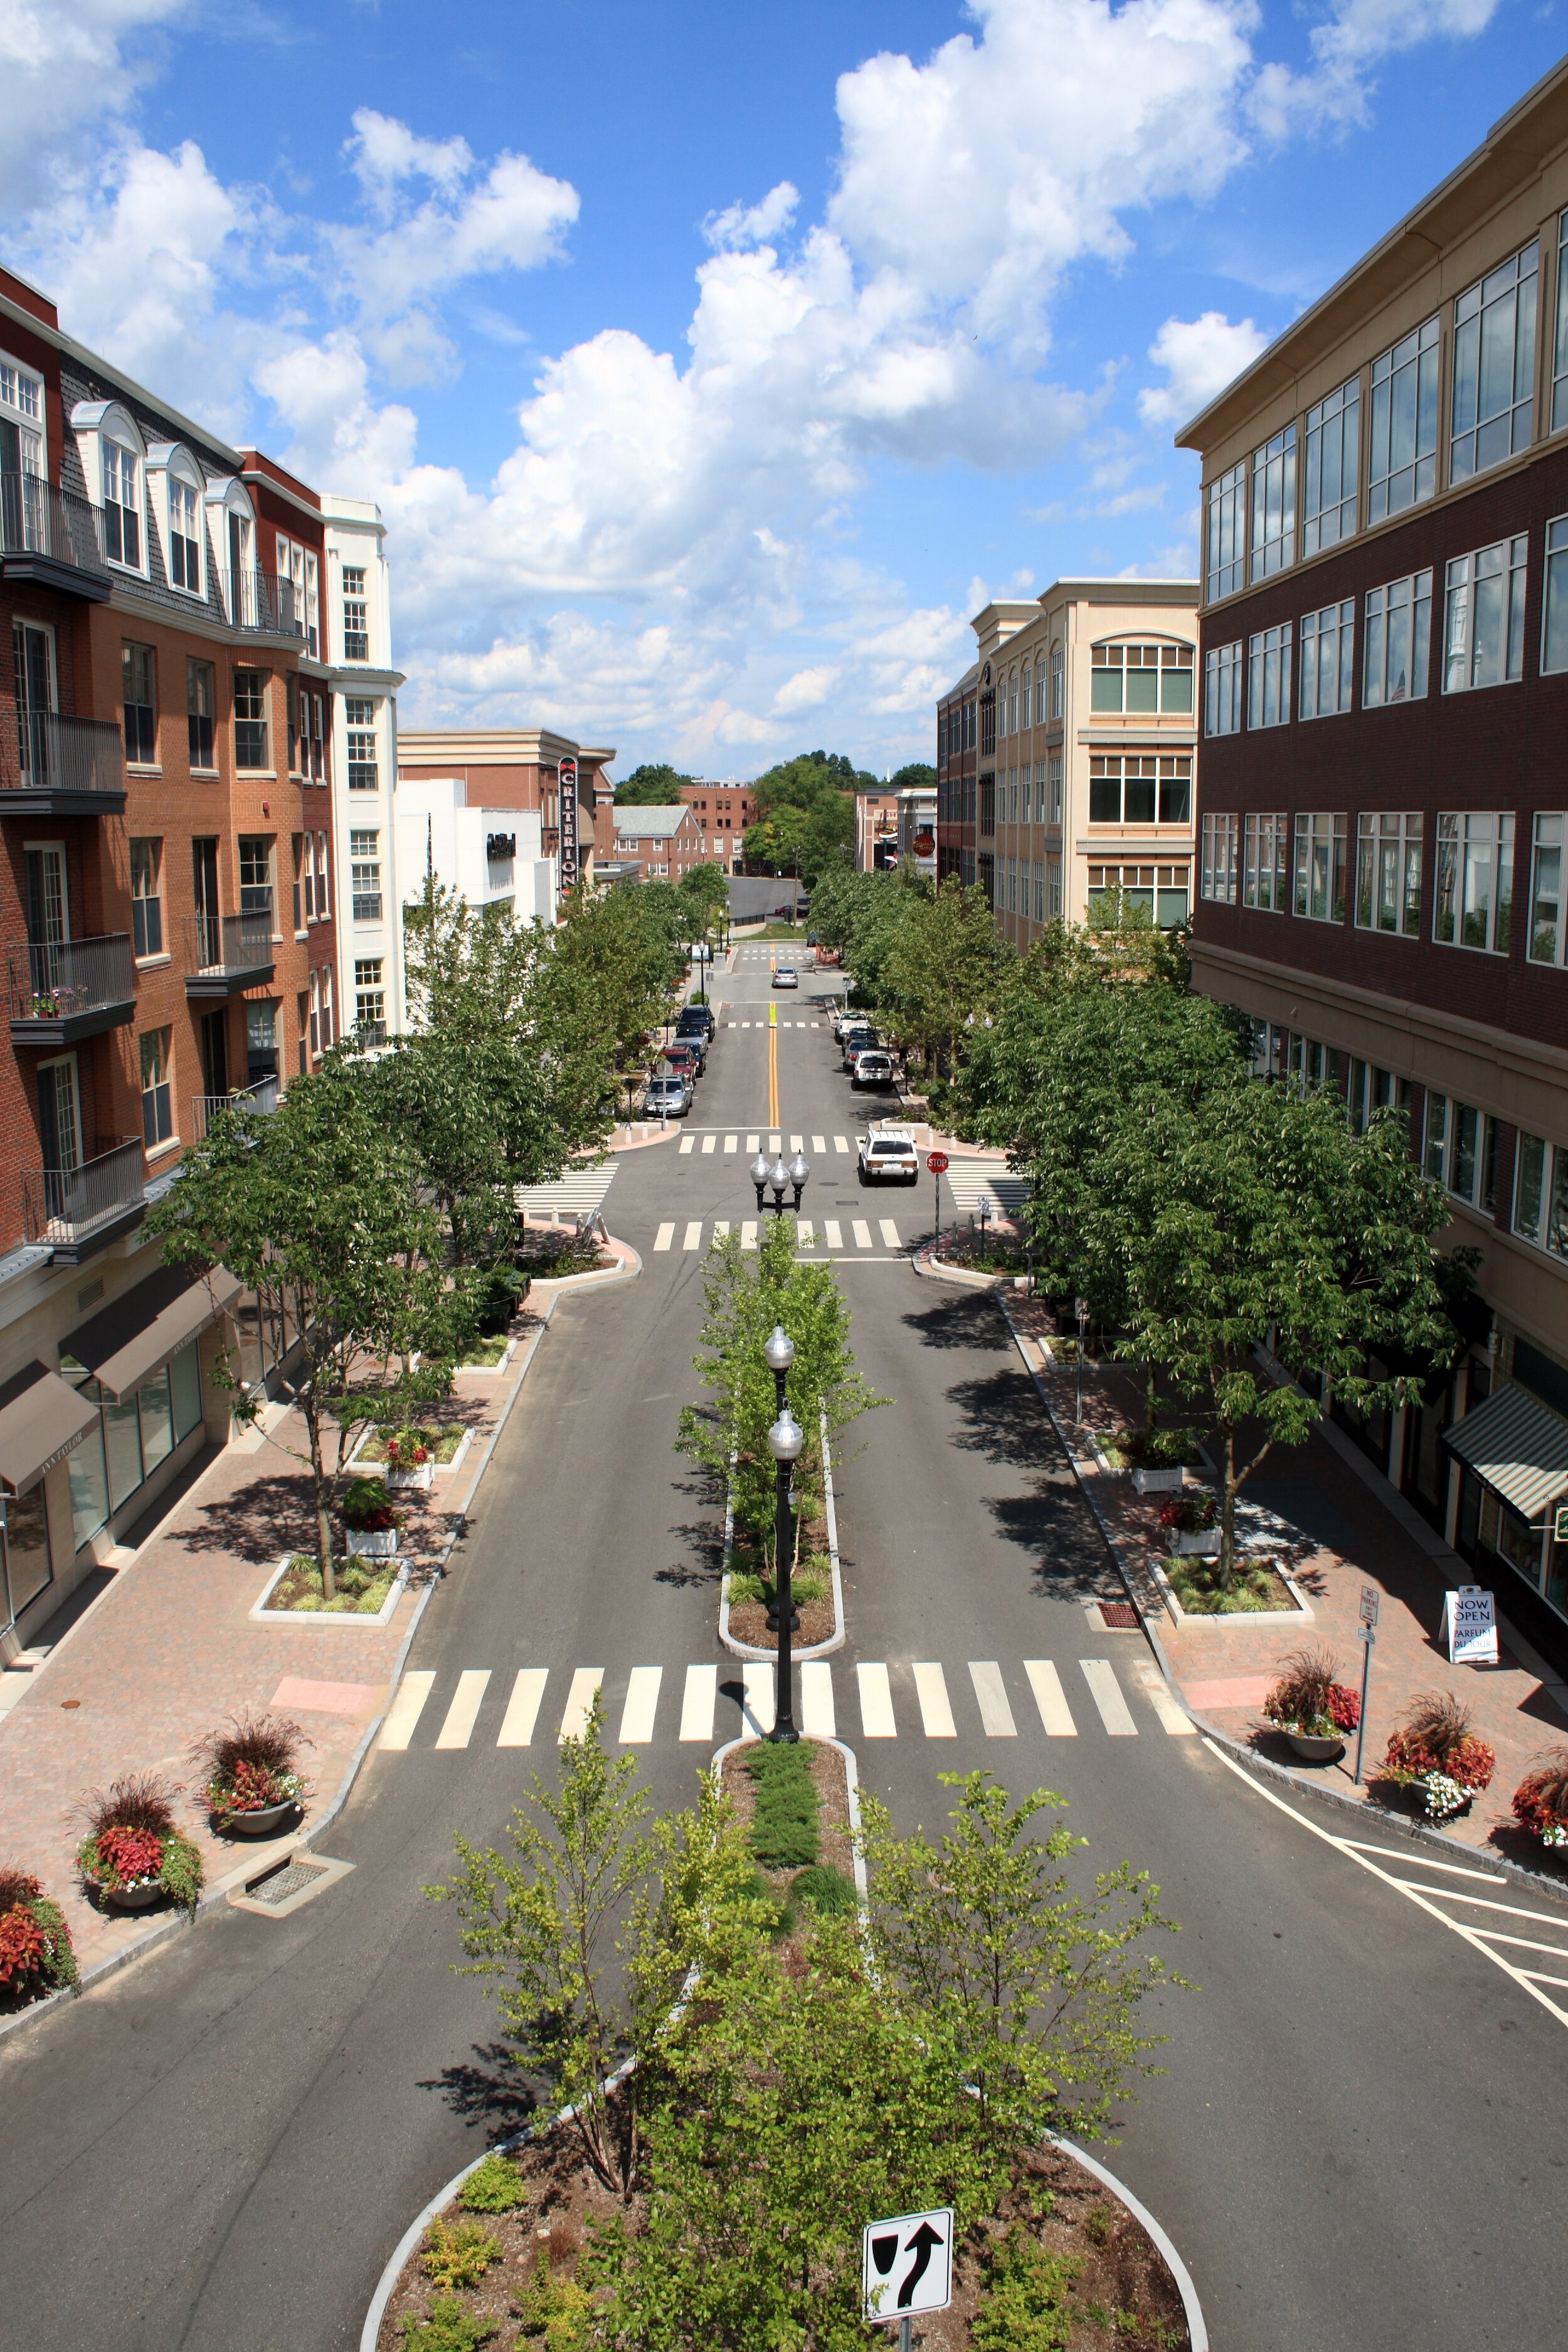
282, 1889
1120, 1616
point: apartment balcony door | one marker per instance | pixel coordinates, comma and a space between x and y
34, 651
203, 877
214, 1053
59, 1117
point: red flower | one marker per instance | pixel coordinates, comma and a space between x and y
22, 1945
1534, 1807
1471, 1763
1344, 1706
128, 1854
251, 1789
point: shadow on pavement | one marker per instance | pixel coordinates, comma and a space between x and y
489, 2089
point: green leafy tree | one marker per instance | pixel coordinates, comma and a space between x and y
917, 776
318, 1208
656, 784
618, 963
946, 972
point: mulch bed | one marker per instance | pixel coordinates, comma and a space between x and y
749, 1624
829, 1777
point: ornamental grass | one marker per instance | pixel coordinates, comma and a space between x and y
1541, 1799
1310, 1700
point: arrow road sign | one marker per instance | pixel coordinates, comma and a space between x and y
906, 2265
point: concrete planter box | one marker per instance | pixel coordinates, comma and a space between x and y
262, 1615
417, 1481
1201, 1543
372, 1543
1166, 1480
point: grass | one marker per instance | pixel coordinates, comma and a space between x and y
441, 1440
486, 1354
784, 1828
1197, 1585
361, 1592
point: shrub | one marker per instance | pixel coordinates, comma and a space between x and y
556, 2313
1024, 2304
783, 1833
743, 1586
251, 1764
131, 1839
1436, 1738
367, 1506
36, 1951
1310, 1700
406, 1450
448, 2327
459, 2254
496, 2187
1191, 1511
1541, 1799
809, 1586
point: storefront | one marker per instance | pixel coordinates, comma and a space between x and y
1511, 1458
42, 1421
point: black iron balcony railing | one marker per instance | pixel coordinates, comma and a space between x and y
264, 601
66, 980
261, 1095
220, 945
42, 752
64, 1206
38, 520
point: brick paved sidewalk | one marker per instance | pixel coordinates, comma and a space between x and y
168, 1650
1349, 1528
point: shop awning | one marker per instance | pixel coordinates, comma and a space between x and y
1517, 1446
41, 1419
135, 1337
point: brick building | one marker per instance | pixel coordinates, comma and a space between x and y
876, 828
722, 813
168, 895
1384, 795
518, 768
667, 842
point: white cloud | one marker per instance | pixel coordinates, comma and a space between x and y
1200, 357
806, 689
64, 70
739, 225
1358, 35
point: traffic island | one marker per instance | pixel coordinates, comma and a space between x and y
745, 1585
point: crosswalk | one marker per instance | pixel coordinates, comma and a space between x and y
695, 1231
870, 1699
579, 1191
970, 1182
696, 1139
773, 1024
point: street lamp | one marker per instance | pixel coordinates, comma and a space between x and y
780, 1176
757, 1172
785, 1438
778, 1354
799, 1170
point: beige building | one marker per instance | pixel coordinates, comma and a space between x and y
1065, 754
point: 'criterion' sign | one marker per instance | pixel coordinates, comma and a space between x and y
1469, 1626
568, 823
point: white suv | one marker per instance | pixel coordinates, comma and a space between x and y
887, 1155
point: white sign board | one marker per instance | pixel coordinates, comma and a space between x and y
906, 2265
1469, 1626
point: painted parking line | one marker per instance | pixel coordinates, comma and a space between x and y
936, 1711
757, 1706
1173, 1718
664, 1238
522, 1708
693, 1236
817, 1713
458, 1727
641, 1706
1050, 1698
1106, 1693
405, 1709
991, 1692
876, 1703
579, 1703
698, 1703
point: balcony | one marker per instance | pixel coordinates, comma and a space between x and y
70, 989
75, 1211
51, 536
264, 602
225, 954
261, 1095
53, 766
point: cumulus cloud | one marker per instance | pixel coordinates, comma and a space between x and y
806, 689
1337, 88
1200, 357
739, 225
65, 70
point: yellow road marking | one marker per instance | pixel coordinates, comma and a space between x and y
773, 1066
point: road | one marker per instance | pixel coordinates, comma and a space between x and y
1354, 2141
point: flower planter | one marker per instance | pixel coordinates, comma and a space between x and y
372, 1543
1313, 1750
417, 1481
1164, 1480
265, 1821
132, 1899
1197, 1543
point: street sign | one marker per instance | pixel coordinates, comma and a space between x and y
1369, 1604
906, 2265
937, 1162
1560, 1525
1469, 1626
568, 796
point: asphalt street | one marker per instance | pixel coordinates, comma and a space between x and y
1355, 2141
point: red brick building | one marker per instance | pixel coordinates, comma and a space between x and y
722, 813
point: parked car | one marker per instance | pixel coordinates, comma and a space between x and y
668, 1098
786, 976
888, 1156
696, 1021
859, 1038
872, 1068
843, 1019
686, 1058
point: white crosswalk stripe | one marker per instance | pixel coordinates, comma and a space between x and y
1151, 1683
406, 1708
729, 1143
841, 1143
876, 1703
664, 1238
710, 1143
579, 1702
819, 1143
889, 1232
578, 1193
834, 1231
693, 1236
698, 1703
817, 1714
936, 1710
522, 1706
967, 1184
463, 1714
757, 1717
1050, 1698
991, 1695
1106, 1693
862, 1232
641, 1706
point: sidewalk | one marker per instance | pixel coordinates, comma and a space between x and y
1342, 1527
168, 1650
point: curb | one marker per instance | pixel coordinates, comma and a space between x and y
935, 1270
1197, 2328
840, 1632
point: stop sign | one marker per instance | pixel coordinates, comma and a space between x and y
937, 1162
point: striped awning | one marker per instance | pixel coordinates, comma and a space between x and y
1517, 1446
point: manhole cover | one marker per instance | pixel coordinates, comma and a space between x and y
293, 1879
1120, 1615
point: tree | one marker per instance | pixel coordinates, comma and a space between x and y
656, 784
916, 777
317, 1207
1256, 1213
946, 971
618, 963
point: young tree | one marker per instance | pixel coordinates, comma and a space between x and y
317, 1207
946, 971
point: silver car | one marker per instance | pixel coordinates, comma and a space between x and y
668, 1098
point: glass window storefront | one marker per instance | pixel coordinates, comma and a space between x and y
133, 1436
24, 1566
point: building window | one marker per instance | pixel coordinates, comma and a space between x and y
133, 1436
1473, 900
1264, 841
1483, 629
1388, 871
1216, 868
1268, 676
201, 703
1057, 681
1371, 1090
1331, 467
138, 676
356, 628
1222, 689
1540, 1193
1054, 788
1320, 880
1559, 345
147, 896
1328, 642
255, 875
359, 711
122, 506
987, 803
157, 1094
1226, 507
327, 1030
1402, 466
324, 900
1554, 616
1274, 505
364, 875
1141, 677
1399, 641
370, 1001
1547, 929
184, 547
1026, 697
250, 718
1162, 891
1494, 366
1459, 1152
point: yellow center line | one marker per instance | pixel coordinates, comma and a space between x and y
773, 1066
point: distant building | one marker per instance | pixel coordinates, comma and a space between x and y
666, 842
494, 856
722, 812
916, 826
515, 768
876, 828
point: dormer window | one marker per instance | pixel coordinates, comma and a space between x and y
121, 508
184, 547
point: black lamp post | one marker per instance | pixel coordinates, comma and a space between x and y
780, 1178
785, 1439
778, 1353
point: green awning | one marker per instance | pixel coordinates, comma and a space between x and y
1517, 1446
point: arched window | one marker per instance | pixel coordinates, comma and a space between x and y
179, 487
112, 458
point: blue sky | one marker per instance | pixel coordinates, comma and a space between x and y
712, 366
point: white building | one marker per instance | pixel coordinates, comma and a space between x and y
494, 856
364, 769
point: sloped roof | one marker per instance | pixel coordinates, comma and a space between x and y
637, 822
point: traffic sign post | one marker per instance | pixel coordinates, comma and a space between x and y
1081, 1309
937, 1162
906, 2266
1367, 1629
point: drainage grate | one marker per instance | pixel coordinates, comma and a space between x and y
278, 1887
278, 1893
1120, 1616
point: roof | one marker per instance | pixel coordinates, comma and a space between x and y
639, 821
41, 1418
1517, 1446
138, 1333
